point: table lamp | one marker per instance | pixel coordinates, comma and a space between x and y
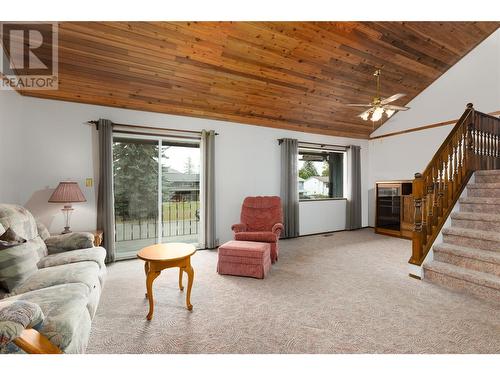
67, 192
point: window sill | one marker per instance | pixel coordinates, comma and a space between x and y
322, 199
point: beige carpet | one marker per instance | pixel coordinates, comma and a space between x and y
346, 293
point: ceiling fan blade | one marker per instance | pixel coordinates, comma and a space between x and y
396, 107
359, 105
392, 98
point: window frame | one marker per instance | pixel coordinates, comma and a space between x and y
306, 150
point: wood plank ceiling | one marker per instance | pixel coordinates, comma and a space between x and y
292, 75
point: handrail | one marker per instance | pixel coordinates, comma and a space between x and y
473, 144
451, 134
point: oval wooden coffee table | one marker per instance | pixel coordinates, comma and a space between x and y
161, 256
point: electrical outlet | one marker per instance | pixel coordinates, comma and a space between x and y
89, 182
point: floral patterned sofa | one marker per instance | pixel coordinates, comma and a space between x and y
62, 275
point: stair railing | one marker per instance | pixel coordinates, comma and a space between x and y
473, 144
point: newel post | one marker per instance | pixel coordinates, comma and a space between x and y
418, 240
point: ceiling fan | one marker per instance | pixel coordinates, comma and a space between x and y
379, 106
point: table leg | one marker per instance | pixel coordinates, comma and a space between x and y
152, 275
180, 278
190, 273
146, 270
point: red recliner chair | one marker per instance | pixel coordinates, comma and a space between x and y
261, 221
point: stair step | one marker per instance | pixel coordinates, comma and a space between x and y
473, 238
466, 257
480, 204
484, 190
480, 284
476, 220
487, 176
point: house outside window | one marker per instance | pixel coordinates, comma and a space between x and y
320, 174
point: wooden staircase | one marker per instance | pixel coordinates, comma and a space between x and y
468, 258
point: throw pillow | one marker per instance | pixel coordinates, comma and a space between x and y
9, 239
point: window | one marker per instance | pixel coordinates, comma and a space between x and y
320, 174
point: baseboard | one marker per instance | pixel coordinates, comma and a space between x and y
329, 232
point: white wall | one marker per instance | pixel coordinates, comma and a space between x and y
46, 141
322, 216
475, 79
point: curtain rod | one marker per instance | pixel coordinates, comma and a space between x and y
280, 141
95, 122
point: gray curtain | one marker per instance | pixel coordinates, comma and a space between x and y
208, 181
105, 199
353, 211
289, 185
336, 169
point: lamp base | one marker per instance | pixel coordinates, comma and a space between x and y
66, 230
67, 211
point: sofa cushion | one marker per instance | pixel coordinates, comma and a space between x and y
43, 232
67, 320
2, 229
256, 236
245, 250
94, 254
83, 272
69, 241
18, 263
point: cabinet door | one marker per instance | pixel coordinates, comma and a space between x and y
389, 206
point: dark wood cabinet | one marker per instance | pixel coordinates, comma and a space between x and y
394, 208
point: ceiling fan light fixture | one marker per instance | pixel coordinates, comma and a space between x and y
389, 112
377, 114
379, 105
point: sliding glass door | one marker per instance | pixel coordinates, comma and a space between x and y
156, 191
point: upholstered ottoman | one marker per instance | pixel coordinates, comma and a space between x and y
244, 258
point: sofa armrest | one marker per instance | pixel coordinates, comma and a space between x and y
15, 317
236, 228
33, 342
69, 241
277, 229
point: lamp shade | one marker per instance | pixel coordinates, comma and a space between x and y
67, 192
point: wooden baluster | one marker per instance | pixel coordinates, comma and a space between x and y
446, 181
453, 158
488, 144
455, 167
471, 152
440, 188
496, 148
428, 201
481, 145
435, 196
491, 160
417, 244
450, 172
424, 215
461, 148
